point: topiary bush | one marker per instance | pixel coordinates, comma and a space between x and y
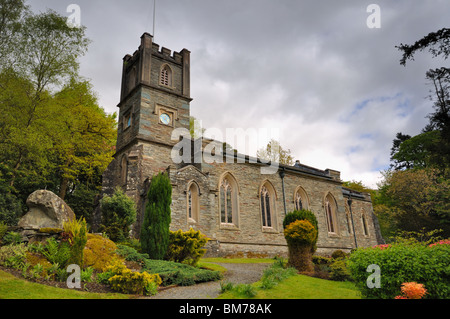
400, 263
301, 236
186, 246
303, 214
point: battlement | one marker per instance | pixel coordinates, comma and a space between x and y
144, 67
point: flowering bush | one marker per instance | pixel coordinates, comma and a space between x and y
412, 290
441, 242
384, 246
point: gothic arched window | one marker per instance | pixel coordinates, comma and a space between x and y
364, 224
228, 200
300, 199
267, 204
331, 211
193, 204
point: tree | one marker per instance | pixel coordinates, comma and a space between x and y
118, 214
438, 44
275, 153
413, 200
157, 218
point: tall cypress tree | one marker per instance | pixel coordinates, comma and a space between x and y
155, 227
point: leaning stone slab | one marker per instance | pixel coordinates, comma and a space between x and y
46, 210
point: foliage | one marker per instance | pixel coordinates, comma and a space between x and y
13, 256
78, 239
173, 273
124, 280
300, 232
338, 254
275, 153
3, 230
339, 270
412, 290
11, 207
12, 238
118, 214
303, 214
155, 227
186, 246
411, 200
99, 251
403, 262
131, 254
57, 252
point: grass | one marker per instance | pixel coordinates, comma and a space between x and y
301, 287
15, 288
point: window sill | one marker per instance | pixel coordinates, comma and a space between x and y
226, 226
334, 235
269, 230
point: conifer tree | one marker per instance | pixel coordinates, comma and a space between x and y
155, 227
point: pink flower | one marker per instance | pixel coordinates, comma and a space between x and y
384, 246
441, 242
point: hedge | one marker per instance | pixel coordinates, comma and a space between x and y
400, 263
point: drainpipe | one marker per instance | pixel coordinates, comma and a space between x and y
349, 201
282, 174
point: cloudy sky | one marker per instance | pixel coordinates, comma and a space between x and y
312, 70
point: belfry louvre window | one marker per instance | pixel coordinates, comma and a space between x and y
165, 76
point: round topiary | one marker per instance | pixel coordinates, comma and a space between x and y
300, 232
303, 214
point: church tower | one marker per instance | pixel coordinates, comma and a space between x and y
154, 100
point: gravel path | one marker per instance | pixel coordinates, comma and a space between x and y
236, 273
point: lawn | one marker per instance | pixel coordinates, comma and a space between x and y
303, 287
15, 288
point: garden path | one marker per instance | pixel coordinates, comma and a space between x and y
236, 273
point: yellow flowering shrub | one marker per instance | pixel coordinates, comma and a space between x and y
127, 281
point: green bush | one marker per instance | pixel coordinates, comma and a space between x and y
118, 213
157, 217
186, 246
173, 273
339, 270
303, 214
400, 263
56, 253
130, 254
338, 254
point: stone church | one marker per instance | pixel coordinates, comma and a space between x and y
231, 201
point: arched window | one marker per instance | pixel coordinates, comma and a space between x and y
330, 211
165, 76
267, 202
300, 199
123, 170
193, 203
228, 200
364, 224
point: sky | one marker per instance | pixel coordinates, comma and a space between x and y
323, 76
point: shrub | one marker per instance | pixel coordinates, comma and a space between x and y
302, 214
300, 236
400, 263
98, 252
186, 246
3, 230
12, 238
124, 280
339, 270
78, 238
155, 228
131, 254
13, 256
173, 273
338, 254
412, 290
118, 214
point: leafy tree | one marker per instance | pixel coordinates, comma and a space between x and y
155, 231
118, 214
275, 153
413, 200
